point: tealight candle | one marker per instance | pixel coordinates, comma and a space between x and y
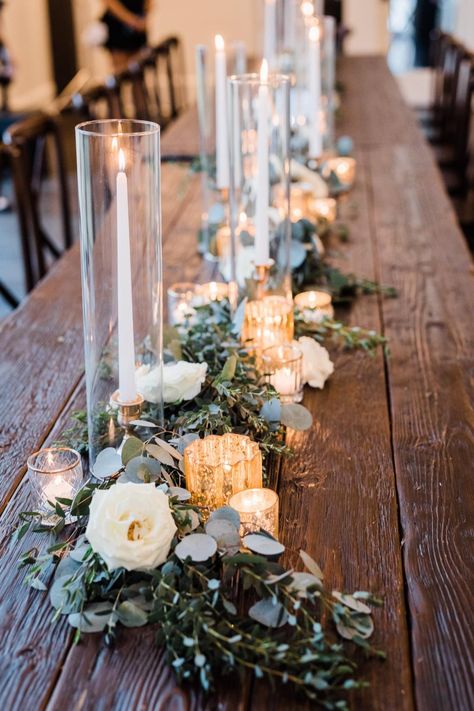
268, 321
314, 306
283, 368
324, 208
181, 302
54, 472
258, 509
217, 467
345, 169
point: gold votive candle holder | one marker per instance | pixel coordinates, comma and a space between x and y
212, 291
267, 322
324, 209
282, 367
258, 509
181, 302
54, 472
345, 169
219, 466
314, 306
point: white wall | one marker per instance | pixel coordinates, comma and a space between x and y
367, 20
196, 21
464, 22
27, 35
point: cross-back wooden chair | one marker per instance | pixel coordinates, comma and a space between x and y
164, 78
103, 101
33, 145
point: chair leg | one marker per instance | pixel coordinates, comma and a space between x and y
8, 296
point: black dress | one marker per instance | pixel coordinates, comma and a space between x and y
121, 36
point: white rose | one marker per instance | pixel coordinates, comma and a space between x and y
181, 381
131, 526
317, 365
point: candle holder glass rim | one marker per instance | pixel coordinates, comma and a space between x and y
31, 463
319, 290
258, 505
274, 80
276, 352
135, 127
179, 288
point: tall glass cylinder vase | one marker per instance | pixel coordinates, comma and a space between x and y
118, 165
328, 80
259, 254
212, 103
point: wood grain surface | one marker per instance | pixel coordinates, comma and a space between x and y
379, 491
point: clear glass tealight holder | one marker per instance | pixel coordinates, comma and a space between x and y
181, 302
268, 321
217, 467
344, 168
282, 367
258, 509
54, 472
314, 306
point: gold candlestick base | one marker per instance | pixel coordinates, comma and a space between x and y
127, 413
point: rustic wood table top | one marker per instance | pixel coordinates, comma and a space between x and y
379, 490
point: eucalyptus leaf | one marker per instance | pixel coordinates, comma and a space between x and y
107, 464
37, 584
172, 451
59, 595
66, 567
311, 565
179, 492
225, 534
297, 254
190, 516
302, 581
131, 615
94, 617
142, 469
184, 441
228, 371
144, 423
351, 602
79, 552
263, 545
271, 410
197, 546
161, 454
269, 613
132, 447
295, 416
226, 513
238, 319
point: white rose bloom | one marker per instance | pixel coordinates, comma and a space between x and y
317, 365
131, 526
181, 381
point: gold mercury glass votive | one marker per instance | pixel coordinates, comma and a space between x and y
267, 322
345, 169
54, 472
217, 467
314, 306
283, 368
181, 302
324, 208
258, 509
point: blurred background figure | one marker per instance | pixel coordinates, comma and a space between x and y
6, 75
126, 22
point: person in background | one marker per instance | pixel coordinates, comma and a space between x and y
126, 24
6, 117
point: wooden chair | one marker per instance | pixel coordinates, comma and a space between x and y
26, 143
164, 78
99, 102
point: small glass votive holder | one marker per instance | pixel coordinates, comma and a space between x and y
282, 367
267, 322
344, 168
54, 472
181, 302
219, 466
212, 291
314, 306
324, 209
258, 509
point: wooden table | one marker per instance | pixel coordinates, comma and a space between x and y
379, 491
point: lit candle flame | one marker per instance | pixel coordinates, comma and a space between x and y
219, 43
264, 71
307, 8
121, 160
